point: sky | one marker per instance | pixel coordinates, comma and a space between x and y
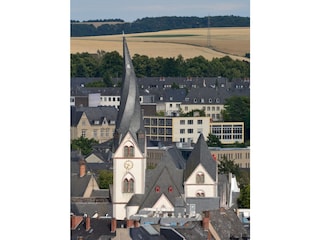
130, 10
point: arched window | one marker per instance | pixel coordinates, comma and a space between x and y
200, 193
128, 185
200, 178
128, 151
131, 151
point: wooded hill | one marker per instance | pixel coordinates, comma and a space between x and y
156, 24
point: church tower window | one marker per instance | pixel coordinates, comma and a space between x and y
128, 151
128, 185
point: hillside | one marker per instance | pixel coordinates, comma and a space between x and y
154, 24
209, 43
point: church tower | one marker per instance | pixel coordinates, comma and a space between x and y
129, 144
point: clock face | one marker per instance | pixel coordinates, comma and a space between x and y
128, 164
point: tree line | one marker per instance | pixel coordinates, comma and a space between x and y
153, 24
109, 65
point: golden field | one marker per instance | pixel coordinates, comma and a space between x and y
234, 42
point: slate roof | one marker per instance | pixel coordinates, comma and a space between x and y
104, 156
78, 81
96, 167
201, 155
142, 234
213, 95
98, 113
165, 174
169, 94
79, 185
193, 231
75, 116
100, 229
129, 117
227, 224
91, 208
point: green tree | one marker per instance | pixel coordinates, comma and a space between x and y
244, 198
213, 141
175, 85
83, 144
226, 166
237, 109
194, 113
105, 178
107, 80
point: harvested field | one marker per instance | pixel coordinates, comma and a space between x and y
190, 43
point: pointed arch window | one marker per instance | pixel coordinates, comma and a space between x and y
128, 151
200, 178
128, 185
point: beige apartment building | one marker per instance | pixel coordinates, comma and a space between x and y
187, 129
93, 122
240, 156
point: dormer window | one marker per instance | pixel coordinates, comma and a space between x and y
210, 100
170, 189
217, 100
195, 100
157, 189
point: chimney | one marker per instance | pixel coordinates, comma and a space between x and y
206, 220
130, 223
113, 225
88, 224
136, 223
82, 168
75, 221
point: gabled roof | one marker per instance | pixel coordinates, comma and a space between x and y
100, 229
165, 175
169, 94
75, 116
213, 95
79, 185
227, 224
91, 208
201, 155
193, 232
99, 113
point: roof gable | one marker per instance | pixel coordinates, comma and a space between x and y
201, 154
192, 177
128, 140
